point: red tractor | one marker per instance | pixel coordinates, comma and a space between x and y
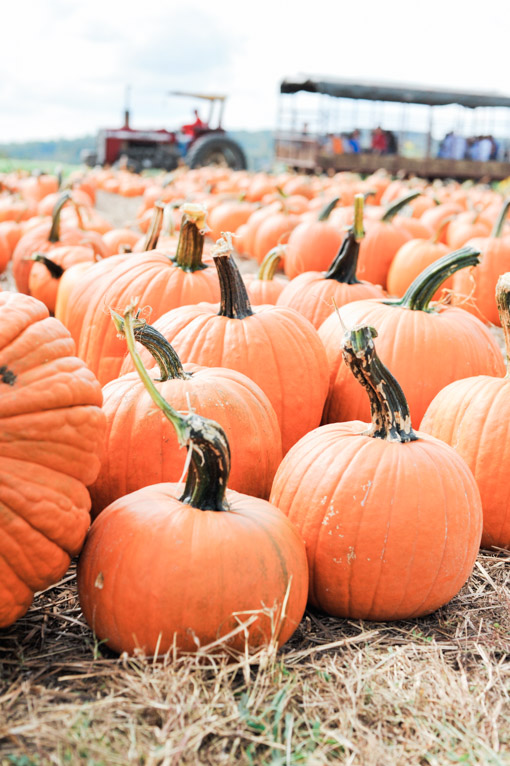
195, 145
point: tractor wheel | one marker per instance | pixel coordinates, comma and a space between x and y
216, 150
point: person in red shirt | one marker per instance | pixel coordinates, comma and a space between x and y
192, 127
379, 141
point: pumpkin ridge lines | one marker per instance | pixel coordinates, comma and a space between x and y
74, 509
431, 460
353, 453
273, 352
487, 426
37, 581
305, 458
396, 470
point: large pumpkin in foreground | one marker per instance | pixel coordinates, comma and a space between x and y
391, 518
51, 431
178, 567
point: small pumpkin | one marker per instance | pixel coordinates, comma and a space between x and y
264, 287
160, 279
312, 245
427, 345
315, 294
141, 446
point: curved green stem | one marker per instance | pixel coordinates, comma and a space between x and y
500, 220
327, 209
268, 267
420, 292
163, 353
503, 302
391, 419
396, 207
54, 235
235, 303
209, 458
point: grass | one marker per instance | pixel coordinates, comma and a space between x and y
432, 691
9, 164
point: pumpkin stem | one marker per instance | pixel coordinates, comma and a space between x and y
163, 353
395, 207
327, 209
420, 292
390, 412
209, 452
235, 303
154, 230
500, 220
345, 263
444, 223
54, 235
503, 302
54, 269
268, 267
190, 247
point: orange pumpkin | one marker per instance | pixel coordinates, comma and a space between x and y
141, 446
428, 346
312, 245
264, 287
218, 564
274, 346
47, 237
473, 416
391, 517
479, 285
159, 280
50, 445
315, 294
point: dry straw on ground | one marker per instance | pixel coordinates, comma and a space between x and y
430, 691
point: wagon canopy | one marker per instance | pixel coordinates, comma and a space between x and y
401, 92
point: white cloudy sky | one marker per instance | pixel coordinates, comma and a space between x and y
65, 64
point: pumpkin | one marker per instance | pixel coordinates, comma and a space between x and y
161, 281
391, 517
473, 416
274, 230
315, 294
263, 287
178, 567
411, 259
382, 240
312, 245
50, 443
475, 291
141, 447
274, 346
46, 237
428, 346
47, 271
117, 240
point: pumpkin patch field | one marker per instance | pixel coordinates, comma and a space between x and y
254, 461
